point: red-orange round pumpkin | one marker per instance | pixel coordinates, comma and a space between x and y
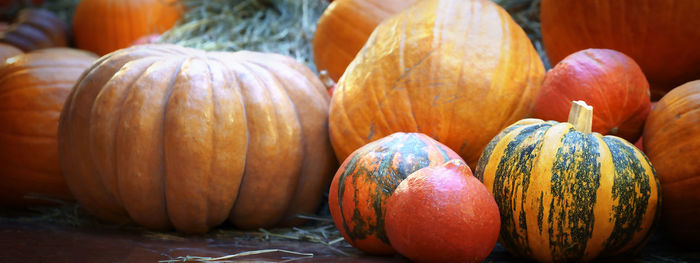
344, 28
443, 214
458, 71
33, 88
661, 36
672, 143
103, 26
609, 81
168, 136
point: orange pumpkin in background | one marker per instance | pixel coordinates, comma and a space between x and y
609, 81
36, 29
33, 88
344, 28
662, 36
458, 71
103, 26
672, 143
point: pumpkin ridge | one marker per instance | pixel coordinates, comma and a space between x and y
271, 82
627, 217
574, 165
163, 164
116, 195
511, 160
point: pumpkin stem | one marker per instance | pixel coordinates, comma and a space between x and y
581, 116
327, 81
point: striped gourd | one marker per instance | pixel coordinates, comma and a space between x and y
566, 194
369, 176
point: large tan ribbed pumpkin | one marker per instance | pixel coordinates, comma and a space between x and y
33, 88
175, 137
456, 70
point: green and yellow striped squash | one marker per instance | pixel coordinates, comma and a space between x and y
369, 176
567, 195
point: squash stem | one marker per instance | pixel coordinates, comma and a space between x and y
581, 116
327, 81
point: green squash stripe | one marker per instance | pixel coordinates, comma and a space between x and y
486, 154
575, 180
360, 224
630, 177
514, 166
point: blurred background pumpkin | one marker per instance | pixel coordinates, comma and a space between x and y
33, 88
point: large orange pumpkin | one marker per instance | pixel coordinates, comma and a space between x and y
103, 26
661, 36
344, 28
175, 137
33, 87
672, 143
458, 71
36, 29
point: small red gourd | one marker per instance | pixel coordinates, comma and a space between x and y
368, 177
443, 214
606, 79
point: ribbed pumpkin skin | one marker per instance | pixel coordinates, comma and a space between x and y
36, 29
103, 26
609, 81
344, 27
7, 51
33, 88
567, 196
661, 36
170, 136
457, 71
369, 176
672, 142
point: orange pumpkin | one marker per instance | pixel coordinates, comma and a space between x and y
168, 136
458, 71
103, 26
344, 28
33, 87
36, 29
609, 81
662, 36
672, 143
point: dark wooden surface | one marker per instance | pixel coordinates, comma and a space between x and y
37, 240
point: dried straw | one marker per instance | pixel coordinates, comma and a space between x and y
276, 26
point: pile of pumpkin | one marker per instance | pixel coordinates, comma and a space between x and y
172, 137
